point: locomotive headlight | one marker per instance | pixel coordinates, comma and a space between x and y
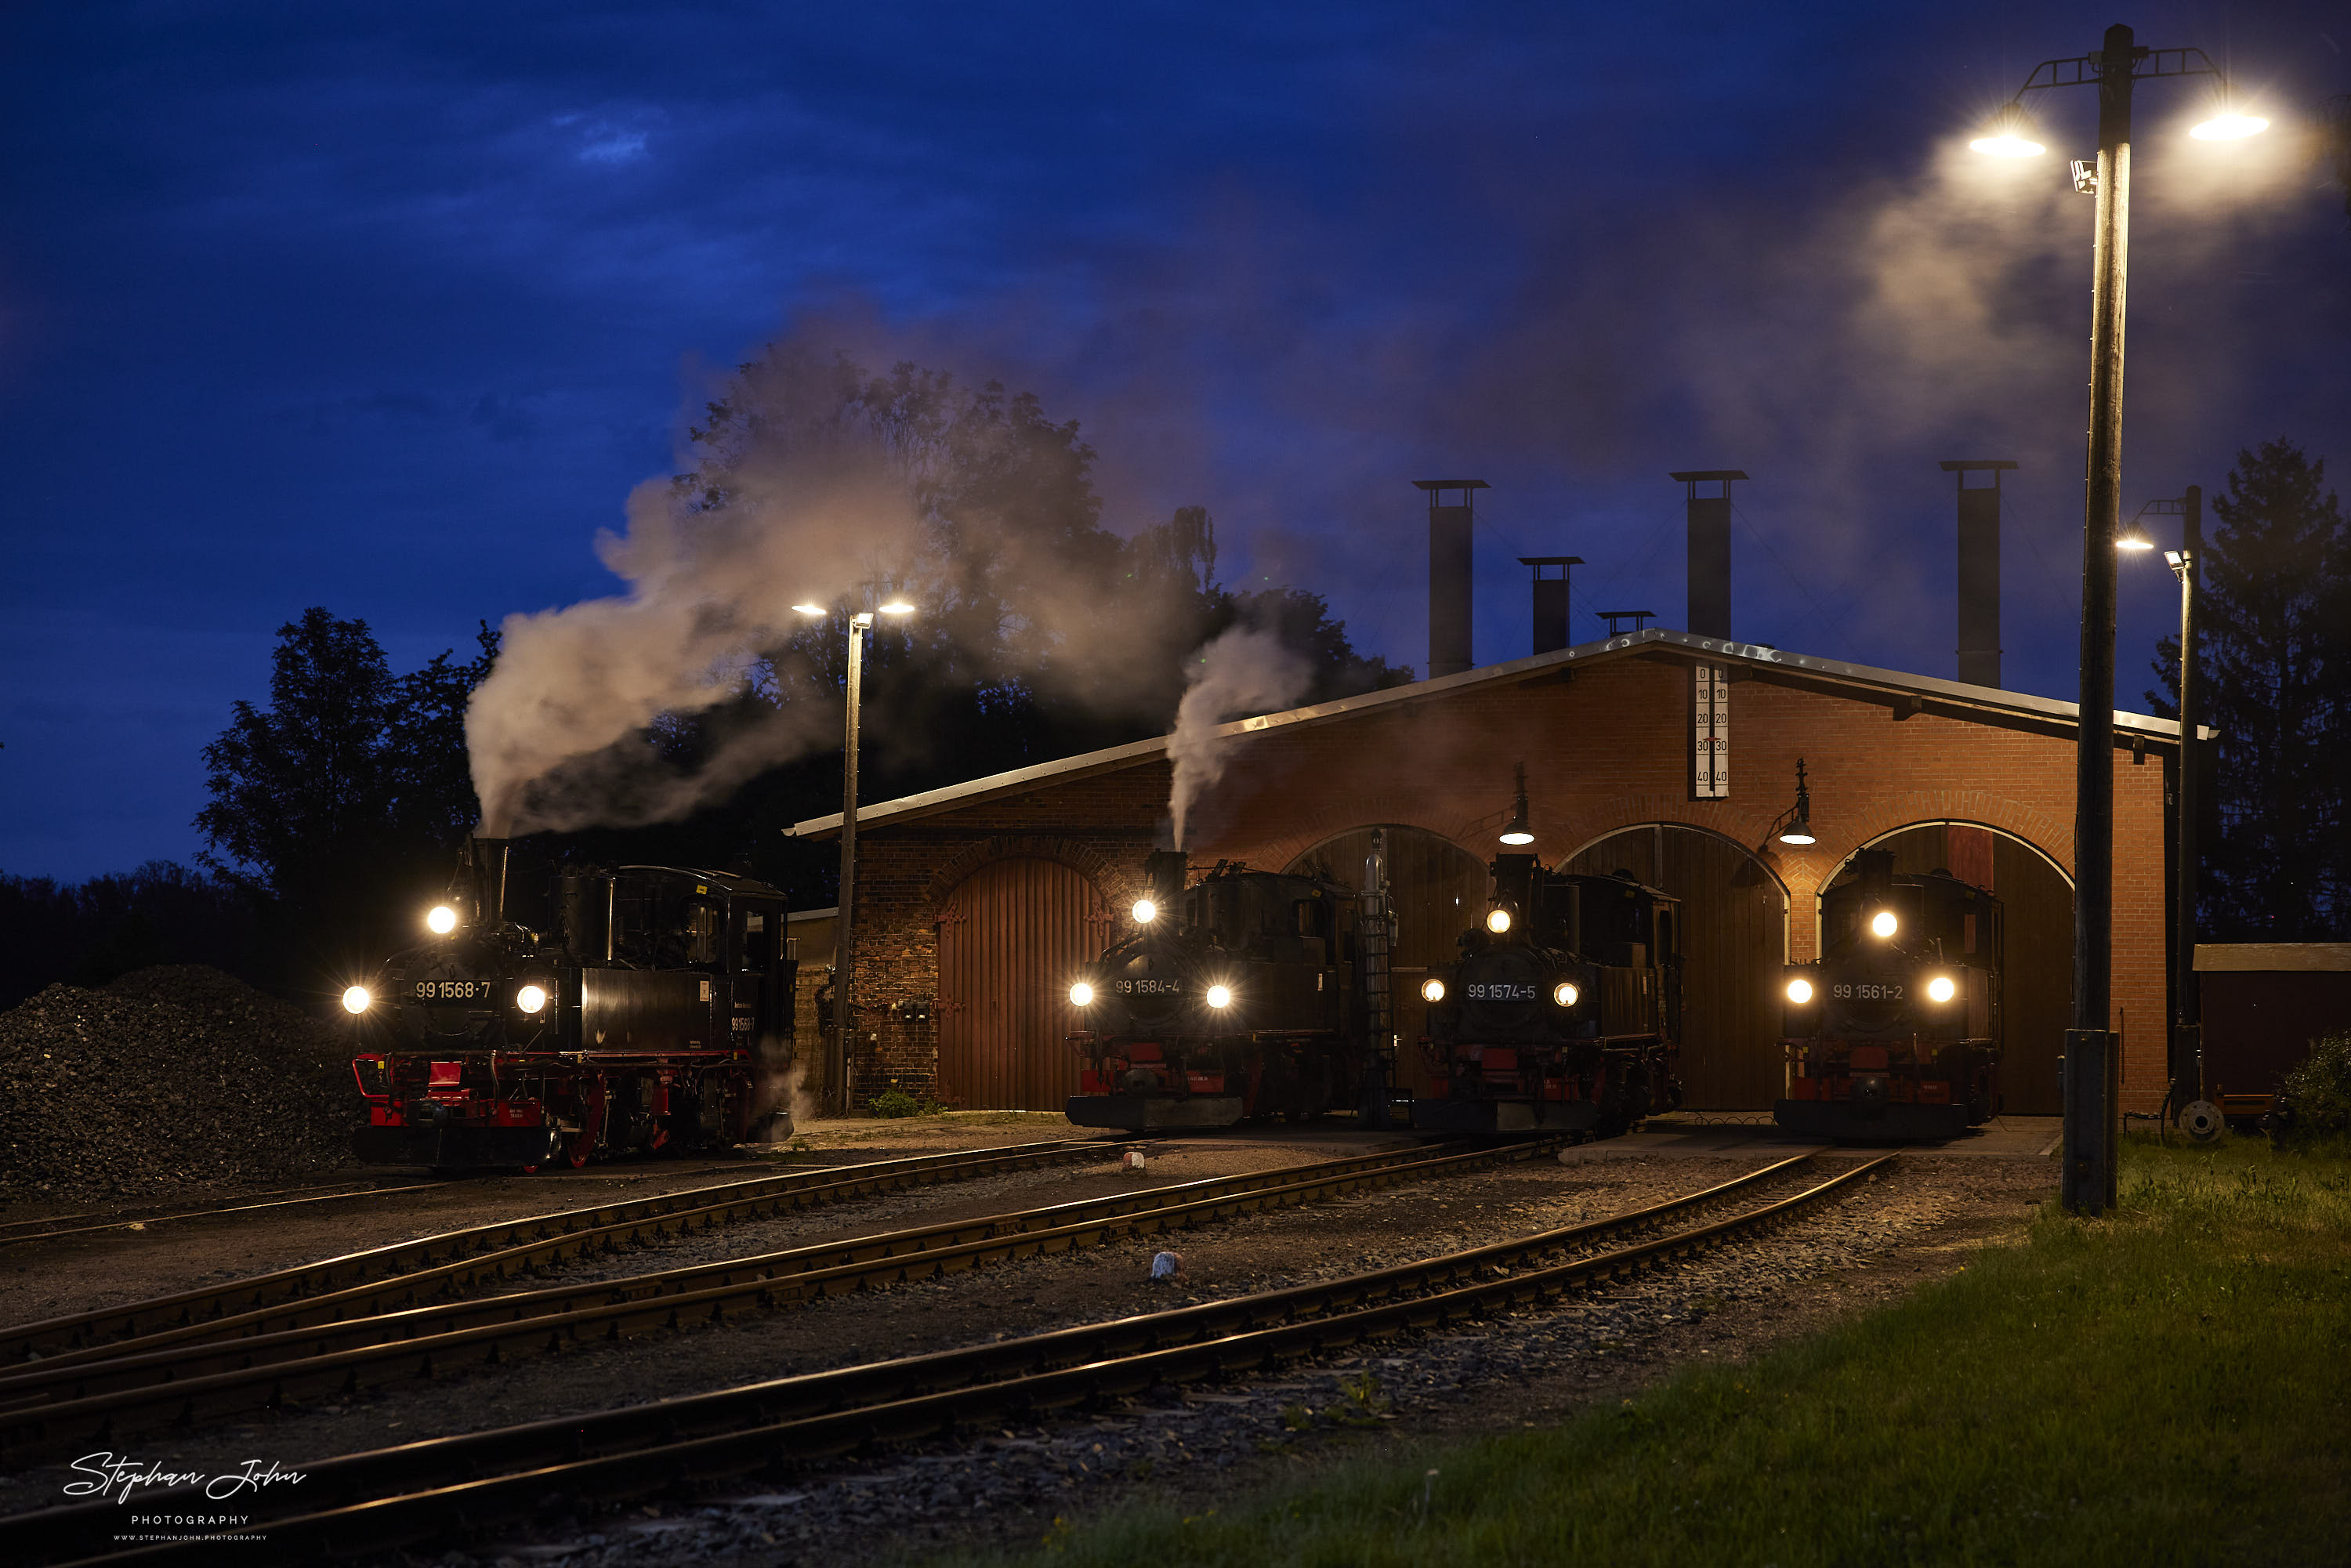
1081, 995
1941, 989
1432, 990
1883, 923
356, 999
1564, 994
1497, 920
1799, 991
1220, 996
531, 999
441, 921
1145, 912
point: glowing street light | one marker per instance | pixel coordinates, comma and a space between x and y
2086, 1182
859, 622
2183, 1059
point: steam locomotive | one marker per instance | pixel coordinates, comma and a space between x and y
659, 1018
1563, 1011
1235, 999
1896, 1031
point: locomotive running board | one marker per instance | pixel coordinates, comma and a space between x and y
1144, 1114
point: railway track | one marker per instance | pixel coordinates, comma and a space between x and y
535, 1241
58, 1226
188, 1377
419, 1492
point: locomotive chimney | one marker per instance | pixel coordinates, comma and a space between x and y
1978, 569
1448, 575
1551, 600
1162, 874
1710, 551
490, 882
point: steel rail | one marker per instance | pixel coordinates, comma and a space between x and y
51, 1337
392, 1497
18, 1232
42, 1416
395, 1309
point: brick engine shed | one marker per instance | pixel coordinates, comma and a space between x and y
980, 899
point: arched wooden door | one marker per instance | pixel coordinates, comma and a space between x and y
1437, 890
1734, 946
1009, 938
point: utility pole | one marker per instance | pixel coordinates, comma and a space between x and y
2187, 1065
2093, 1054
844, 949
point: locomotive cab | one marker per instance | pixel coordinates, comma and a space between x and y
1895, 1032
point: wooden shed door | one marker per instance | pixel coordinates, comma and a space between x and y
1010, 939
1734, 946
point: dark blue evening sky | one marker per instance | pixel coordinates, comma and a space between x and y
386, 308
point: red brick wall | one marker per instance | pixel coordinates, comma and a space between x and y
1605, 750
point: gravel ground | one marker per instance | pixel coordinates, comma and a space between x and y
160, 1083
1527, 1367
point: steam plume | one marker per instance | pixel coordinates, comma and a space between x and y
811, 505
1242, 671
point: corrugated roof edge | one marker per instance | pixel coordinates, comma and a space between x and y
1112, 759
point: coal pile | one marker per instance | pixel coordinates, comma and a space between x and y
168, 1078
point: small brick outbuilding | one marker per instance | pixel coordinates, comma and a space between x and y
1659, 752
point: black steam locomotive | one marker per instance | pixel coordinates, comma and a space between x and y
660, 1017
1563, 1011
1896, 1031
1234, 1001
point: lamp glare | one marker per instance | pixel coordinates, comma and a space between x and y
2229, 127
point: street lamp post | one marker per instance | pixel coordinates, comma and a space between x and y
844, 921
2093, 1061
2184, 1064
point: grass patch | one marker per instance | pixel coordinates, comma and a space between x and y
2166, 1385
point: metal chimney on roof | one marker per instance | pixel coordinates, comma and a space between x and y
1710, 551
1978, 569
1551, 600
1448, 575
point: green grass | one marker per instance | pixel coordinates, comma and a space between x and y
2165, 1386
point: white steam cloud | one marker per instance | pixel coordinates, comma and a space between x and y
813, 506
1243, 672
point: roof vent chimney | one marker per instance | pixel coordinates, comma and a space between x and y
1978, 569
1448, 575
1551, 600
1710, 551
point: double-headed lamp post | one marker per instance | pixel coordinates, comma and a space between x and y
2184, 1062
2093, 1066
860, 622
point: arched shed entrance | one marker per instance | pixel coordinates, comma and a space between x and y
1734, 946
2037, 956
1009, 936
1437, 890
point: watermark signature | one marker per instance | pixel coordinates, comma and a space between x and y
119, 1476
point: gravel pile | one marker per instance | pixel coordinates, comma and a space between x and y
168, 1078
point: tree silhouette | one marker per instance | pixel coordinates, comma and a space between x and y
2274, 658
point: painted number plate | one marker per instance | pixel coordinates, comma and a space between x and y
453, 990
